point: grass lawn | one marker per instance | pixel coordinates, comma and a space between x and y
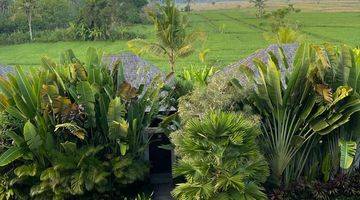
232, 35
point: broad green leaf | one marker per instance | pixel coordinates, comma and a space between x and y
118, 130
326, 167
73, 128
69, 147
297, 77
116, 110
51, 66
6, 87
11, 155
77, 182
26, 170
93, 59
39, 189
31, 136
86, 98
27, 91
49, 174
4, 102
273, 80
123, 148
347, 153
18, 140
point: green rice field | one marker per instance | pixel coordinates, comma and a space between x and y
231, 35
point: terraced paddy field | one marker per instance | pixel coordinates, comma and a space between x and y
231, 34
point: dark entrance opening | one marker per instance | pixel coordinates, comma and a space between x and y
160, 159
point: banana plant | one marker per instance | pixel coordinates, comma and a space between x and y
296, 104
78, 123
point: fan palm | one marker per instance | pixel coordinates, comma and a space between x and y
219, 158
173, 41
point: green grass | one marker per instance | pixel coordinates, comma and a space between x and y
232, 35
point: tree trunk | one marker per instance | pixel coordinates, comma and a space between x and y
29, 16
172, 61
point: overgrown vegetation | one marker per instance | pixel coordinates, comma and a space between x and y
77, 128
302, 104
279, 127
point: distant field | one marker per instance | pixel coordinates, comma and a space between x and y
232, 35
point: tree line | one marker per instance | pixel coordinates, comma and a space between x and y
91, 17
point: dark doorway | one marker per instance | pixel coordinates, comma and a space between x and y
160, 159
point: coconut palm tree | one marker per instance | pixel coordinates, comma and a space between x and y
173, 41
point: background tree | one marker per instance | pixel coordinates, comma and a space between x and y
27, 8
260, 7
4, 6
188, 5
173, 41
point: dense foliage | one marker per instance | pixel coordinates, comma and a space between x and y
76, 19
309, 110
341, 187
219, 158
299, 106
75, 127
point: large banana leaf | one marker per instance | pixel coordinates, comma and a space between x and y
118, 127
86, 98
116, 110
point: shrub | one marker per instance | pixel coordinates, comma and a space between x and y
219, 158
279, 18
81, 128
217, 95
14, 38
69, 34
284, 35
342, 186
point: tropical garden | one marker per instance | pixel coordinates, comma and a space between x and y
283, 125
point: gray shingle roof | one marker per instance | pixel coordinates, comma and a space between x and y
232, 71
5, 70
137, 71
